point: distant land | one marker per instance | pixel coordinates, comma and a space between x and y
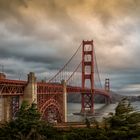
76, 98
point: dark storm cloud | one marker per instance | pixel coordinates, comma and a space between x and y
27, 51
42, 34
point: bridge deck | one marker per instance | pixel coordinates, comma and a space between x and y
16, 87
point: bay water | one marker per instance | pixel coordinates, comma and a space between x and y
102, 110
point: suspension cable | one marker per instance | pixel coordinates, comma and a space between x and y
97, 68
65, 64
74, 72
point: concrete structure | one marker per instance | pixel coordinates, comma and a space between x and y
64, 100
2, 76
30, 92
30, 95
5, 112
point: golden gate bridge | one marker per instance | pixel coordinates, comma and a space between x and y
78, 75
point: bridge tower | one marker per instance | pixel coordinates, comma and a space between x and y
107, 88
107, 84
87, 76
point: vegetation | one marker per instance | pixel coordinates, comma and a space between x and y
26, 126
124, 124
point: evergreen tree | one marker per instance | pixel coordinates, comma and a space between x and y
27, 125
125, 123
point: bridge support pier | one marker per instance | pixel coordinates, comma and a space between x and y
6, 111
64, 100
5, 102
87, 103
30, 92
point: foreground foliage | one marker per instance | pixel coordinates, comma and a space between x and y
124, 124
27, 126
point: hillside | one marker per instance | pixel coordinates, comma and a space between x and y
76, 98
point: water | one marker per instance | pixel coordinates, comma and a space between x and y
136, 105
76, 107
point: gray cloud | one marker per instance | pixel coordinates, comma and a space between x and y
40, 36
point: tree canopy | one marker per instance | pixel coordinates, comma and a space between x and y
124, 124
26, 126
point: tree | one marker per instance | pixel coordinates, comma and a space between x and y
125, 123
124, 108
27, 125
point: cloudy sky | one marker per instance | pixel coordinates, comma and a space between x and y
41, 35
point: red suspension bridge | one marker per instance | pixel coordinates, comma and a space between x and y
79, 75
